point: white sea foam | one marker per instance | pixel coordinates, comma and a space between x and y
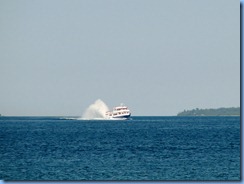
96, 110
70, 118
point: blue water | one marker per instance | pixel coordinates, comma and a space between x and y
144, 148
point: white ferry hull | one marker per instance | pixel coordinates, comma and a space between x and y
119, 113
120, 117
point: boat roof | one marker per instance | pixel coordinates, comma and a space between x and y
120, 107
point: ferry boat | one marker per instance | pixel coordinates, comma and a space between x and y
119, 112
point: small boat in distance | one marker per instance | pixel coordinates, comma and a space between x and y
119, 112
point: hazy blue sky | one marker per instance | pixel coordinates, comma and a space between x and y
158, 57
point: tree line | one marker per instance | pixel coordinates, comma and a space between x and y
232, 111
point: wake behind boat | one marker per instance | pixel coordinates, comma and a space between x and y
119, 112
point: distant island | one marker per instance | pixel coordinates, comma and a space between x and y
232, 111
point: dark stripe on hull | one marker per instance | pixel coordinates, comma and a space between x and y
126, 116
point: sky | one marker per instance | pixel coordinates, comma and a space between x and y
158, 57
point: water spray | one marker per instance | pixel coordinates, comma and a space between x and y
96, 110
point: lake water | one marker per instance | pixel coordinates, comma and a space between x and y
144, 148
